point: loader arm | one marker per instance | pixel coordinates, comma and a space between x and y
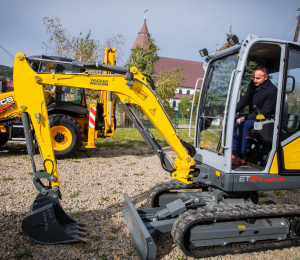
131, 88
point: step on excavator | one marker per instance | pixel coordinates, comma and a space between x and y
217, 211
68, 111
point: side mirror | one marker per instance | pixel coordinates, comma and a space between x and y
289, 84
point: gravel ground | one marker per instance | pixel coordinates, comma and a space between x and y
92, 186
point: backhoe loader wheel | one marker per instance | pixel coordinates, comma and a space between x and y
66, 135
3, 139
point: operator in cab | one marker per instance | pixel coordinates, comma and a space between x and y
262, 93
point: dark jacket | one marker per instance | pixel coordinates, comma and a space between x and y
264, 97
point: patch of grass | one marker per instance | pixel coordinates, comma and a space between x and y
131, 164
109, 145
278, 193
115, 192
263, 194
151, 152
112, 238
124, 175
103, 257
101, 204
77, 161
76, 214
76, 173
95, 238
11, 197
126, 146
23, 255
69, 208
88, 250
269, 202
130, 253
74, 195
105, 198
8, 179
115, 230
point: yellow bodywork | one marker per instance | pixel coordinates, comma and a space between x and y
291, 153
8, 108
31, 99
274, 166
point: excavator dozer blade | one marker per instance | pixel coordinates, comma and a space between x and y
48, 223
143, 240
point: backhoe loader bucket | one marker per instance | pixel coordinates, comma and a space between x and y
48, 223
140, 234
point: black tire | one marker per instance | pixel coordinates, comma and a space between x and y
3, 139
72, 125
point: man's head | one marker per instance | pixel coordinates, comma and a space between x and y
260, 75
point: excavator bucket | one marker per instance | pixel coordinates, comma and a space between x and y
143, 240
48, 223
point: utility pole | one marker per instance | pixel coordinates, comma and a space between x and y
297, 28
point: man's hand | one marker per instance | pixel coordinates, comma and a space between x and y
240, 120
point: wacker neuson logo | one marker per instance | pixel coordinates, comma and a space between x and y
99, 82
5, 101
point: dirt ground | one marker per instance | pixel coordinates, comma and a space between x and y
92, 186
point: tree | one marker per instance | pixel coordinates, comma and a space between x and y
144, 58
185, 104
166, 84
83, 48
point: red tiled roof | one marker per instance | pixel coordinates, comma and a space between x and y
179, 96
143, 37
192, 70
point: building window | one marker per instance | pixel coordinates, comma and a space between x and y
180, 91
174, 103
188, 92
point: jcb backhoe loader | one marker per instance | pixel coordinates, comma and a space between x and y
69, 114
223, 216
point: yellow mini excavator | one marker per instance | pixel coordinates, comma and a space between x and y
69, 114
219, 214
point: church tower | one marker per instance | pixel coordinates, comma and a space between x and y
143, 36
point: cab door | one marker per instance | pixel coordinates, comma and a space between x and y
289, 135
211, 117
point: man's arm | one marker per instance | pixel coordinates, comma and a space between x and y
269, 104
244, 101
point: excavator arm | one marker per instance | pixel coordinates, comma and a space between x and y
131, 87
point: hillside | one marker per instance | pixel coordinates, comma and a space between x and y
6, 72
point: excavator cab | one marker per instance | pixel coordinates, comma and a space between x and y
223, 216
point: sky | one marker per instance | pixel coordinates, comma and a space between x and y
180, 28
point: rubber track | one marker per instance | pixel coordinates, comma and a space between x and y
191, 217
172, 185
